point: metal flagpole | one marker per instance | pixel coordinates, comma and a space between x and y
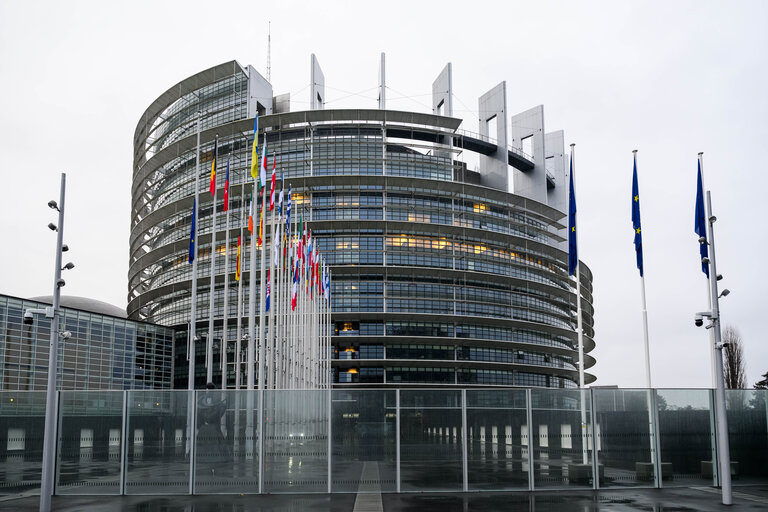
238, 341
712, 356
580, 333
261, 340
224, 328
193, 312
651, 403
212, 293
644, 311
722, 420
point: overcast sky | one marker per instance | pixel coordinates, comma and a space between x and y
667, 78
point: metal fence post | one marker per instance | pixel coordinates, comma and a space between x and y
193, 442
397, 437
123, 443
529, 422
656, 439
464, 437
330, 441
713, 439
593, 420
57, 450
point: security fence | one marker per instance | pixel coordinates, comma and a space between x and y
370, 440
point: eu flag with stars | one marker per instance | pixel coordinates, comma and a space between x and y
573, 253
192, 234
636, 220
701, 224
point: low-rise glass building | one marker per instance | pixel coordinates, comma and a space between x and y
105, 351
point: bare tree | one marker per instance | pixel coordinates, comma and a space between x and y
734, 371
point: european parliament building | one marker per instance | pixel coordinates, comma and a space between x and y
441, 275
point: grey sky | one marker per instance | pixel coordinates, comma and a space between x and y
667, 78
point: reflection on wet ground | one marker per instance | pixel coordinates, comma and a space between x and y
648, 500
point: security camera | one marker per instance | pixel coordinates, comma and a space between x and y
700, 316
65, 335
705, 260
29, 318
64, 248
722, 345
60, 283
52, 204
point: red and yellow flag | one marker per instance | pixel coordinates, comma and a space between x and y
213, 167
261, 223
237, 265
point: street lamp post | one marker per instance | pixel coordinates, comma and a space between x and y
49, 444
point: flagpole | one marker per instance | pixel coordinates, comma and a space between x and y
721, 410
212, 293
712, 354
225, 329
193, 312
644, 308
579, 324
238, 341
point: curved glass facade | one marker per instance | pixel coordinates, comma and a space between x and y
437, 279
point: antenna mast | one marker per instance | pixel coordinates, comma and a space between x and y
269, 53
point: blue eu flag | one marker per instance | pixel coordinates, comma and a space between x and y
701, 224
192, 234
636, 219
573, 253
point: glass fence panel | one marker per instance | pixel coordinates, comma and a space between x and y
496, 457
624, 440
430, 440
295, 441
22, 424
226, 445
562, 449
89, 444
364, 454
157, 448
686, 425
748, 435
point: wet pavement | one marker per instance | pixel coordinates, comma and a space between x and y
703, 499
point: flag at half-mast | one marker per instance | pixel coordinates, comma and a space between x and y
272, 193
573, 253
192, 233
226, 188
255, 148
701, 223
263, 173
267, 300
213, 166
237, 265
250, 216
261, 224
288, 214
636, 219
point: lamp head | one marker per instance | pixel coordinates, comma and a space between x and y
52, 226
68, 266
52, 205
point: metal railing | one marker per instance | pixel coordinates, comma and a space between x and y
379, 440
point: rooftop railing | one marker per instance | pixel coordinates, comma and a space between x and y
369, 440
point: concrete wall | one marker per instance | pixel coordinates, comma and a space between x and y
531, 184
494, 168
317, 87
259, 94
